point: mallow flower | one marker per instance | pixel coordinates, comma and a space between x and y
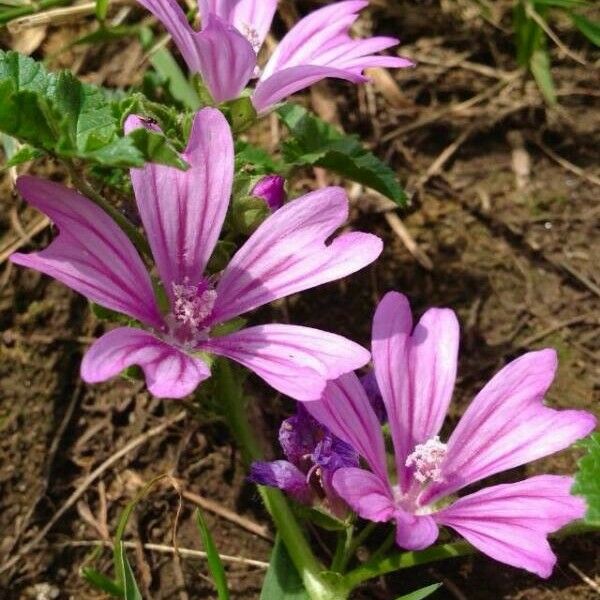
182, 213
225, 51
506, 425
313, 455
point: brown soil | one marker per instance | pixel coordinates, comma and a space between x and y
516, 262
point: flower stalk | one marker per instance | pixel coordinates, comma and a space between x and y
230, 394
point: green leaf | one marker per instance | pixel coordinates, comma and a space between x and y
101, 9
259, 161
214, 560
126, 576
422, 593
166, 66
314, 142
282, 581
540, 67
58, 114
101, 582
24, 154
567, 4
587, 479
591, 29
156, 148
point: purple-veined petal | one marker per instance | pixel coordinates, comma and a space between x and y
288, 81
170, 14
296, 361
251, 17
306, 40
416, 371
507, 425
415, 532
510, 522
283, 475
91, 254
366, 493
170, 373
346, 411
227, 59
183, 211
392, 326
288, 253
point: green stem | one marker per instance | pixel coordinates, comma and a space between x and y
366, 531
28, 9
138, 240
343, 549
404, 560
310, 569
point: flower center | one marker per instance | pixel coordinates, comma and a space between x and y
252, 36
192, 305
427, 460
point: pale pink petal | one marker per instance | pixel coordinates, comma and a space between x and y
170, 14
251, 17
507, 425
414, 532
345, 410
433, 357
288, 81
91, 254
289, 253
319, 46
296, 361
183, 211
303, 44
170, 373
510, 522
392, 326
227, 59
367, 495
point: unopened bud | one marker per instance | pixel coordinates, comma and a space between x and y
271, 189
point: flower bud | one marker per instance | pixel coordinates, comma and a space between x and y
271, 189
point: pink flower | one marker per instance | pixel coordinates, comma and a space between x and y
506, 425
225, 51
182, 213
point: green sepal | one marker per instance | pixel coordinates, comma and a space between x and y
240, 113
247, 213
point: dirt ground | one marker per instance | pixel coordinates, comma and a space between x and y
503, 227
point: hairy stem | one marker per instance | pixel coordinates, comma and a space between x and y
403, 560
310, 569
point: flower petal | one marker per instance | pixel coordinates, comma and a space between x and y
507, 425
392, 326
226, 58
288, 253
510, 522
250, 17
170, 14
283, 475
415, 532
345, 410
169, 372
368, 495
319, 46
91, 254
286, 82
183, 211
304, 43
296, 361
415, 371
